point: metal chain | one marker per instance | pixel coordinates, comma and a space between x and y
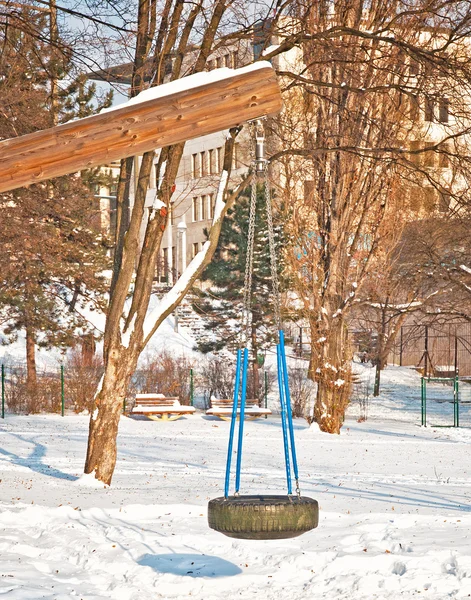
273, 262
246, 320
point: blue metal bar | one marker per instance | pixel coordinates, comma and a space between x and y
288, 404
233, 421
283, 417
241, 417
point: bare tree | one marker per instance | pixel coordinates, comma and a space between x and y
360, 141
386, 298
165, 46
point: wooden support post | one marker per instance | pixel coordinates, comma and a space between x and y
141, 126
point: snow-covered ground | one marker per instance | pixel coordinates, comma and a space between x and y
395, 502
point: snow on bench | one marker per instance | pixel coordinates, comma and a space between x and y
222, 408
159, 406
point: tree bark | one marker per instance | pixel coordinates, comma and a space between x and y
330, 367
31, 375
377, 379
103, 429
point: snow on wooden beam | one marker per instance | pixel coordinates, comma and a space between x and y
181, 110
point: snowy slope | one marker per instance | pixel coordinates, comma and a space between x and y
165, 338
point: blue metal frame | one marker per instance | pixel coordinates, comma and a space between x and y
286, 416
243, 396
288, 405
233, 421
281, 388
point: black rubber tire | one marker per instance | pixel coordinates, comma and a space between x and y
263, 517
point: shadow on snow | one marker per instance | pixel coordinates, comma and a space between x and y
190, 565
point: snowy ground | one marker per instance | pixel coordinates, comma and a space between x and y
395, 504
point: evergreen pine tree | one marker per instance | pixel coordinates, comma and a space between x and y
51, 251
221, 302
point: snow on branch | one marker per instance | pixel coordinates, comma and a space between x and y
175, 295
398, 307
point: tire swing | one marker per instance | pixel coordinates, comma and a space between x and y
262, 517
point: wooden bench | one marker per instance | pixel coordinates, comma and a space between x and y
222, 408
158, 407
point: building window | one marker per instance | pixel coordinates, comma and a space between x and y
195, 209
235, 156
212, 156
235, 60
158, 267
443, 157
166, 265
195, 166
429, 155
443, 110
211, 205
429, 108
204, 164
203, 208
415, 158
220, 159
219, 62
196, 249
152, 179
414, 108
227, 60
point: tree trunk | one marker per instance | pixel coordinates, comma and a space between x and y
330, 367
31, 376
377, 378
103, 431
381, 351
88, 349
331, 404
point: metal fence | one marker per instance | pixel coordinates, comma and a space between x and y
55, 390
439, 350
69, 389
445, 402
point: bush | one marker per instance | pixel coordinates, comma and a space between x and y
45, 397
361, 393
164, 374
303, 392
82, 375
216, 377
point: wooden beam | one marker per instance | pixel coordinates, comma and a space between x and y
248, 93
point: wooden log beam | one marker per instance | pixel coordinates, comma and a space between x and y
206, 107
